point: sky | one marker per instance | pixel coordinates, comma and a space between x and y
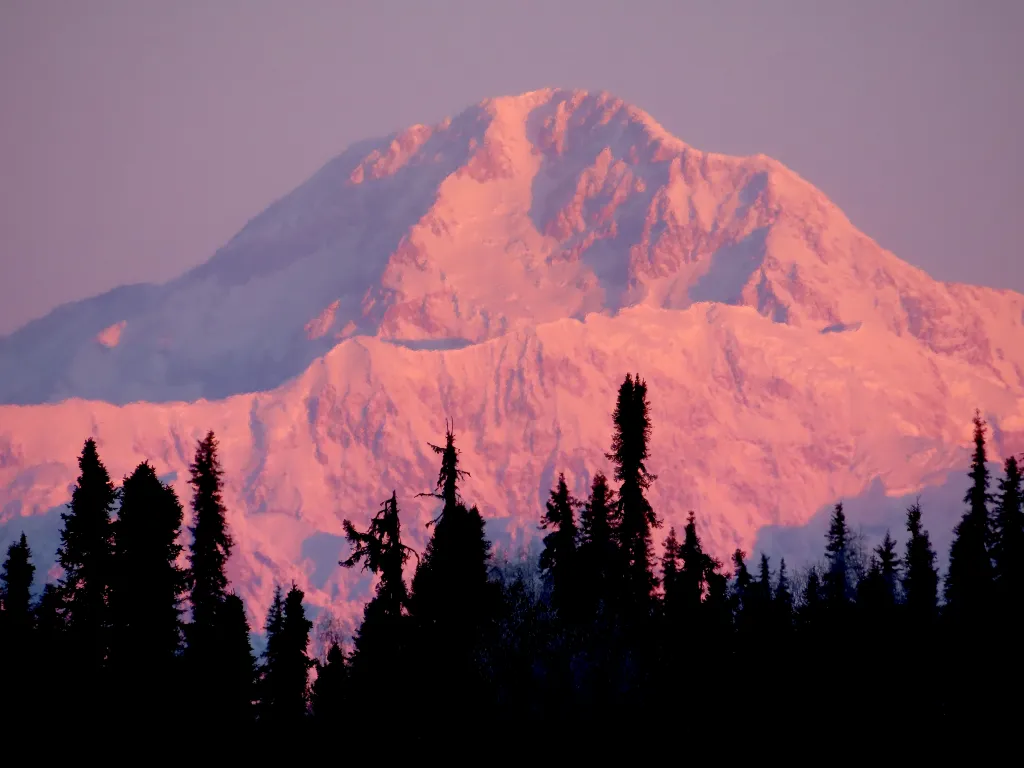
136, 137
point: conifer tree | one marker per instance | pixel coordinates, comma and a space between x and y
328, 694
207, 650
782, 604
85, 556
969, 579
1008, 544
838, 586
741, 596
558, 560
240, 672
294, 662
810, 614
921, 577
379, 663
761, 599
598, 551
670, 573
147, 587
636, 517
270, 693
452, 599
693, 571
16, 651
16, 577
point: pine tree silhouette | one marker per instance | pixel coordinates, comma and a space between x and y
741, 597
782, 604
921, 577
270, 681
16, 576
85, 555
838, 585
328, 694
558, 560
16, 649
599, 557
635, 516
207, 651
969, 579
452, 599
146, 591
670, 574
1008, 544
379, 664
240, 670
293, 704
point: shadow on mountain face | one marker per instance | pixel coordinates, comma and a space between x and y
870, 515
326, 241
432, 345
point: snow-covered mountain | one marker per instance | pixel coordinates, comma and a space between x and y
506, 268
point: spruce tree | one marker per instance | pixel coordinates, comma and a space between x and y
693, 571
598, 552
240, 664
838, 586
761, 600
147, 588
16, 649
636, 517
452, 600
558, 560
328, 694
969, 580
379, 663
294, 661
741, 594
920, 577
782, 604
1008, 544
670, 574
16, 577
207, 651
270, 682
85, 556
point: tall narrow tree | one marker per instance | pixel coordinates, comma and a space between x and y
16, 651
969, 580
85, 557
147, 587
1008, 544
838, 585
558, 560
208, 555
379, 663
636, 517
920, 576
240, 664
598, 551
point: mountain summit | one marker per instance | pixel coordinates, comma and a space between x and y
506, 267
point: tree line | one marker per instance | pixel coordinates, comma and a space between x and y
595, 633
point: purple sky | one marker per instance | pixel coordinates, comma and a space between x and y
136, 137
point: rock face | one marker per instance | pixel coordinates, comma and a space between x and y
506, 268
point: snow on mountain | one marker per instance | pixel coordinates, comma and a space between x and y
507, 267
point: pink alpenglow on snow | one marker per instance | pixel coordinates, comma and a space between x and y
505, 268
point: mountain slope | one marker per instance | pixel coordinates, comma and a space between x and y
506, 268
518, 211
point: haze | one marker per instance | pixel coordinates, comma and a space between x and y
137, 137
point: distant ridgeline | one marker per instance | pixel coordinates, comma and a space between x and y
596, 625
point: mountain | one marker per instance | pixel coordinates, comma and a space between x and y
506, 268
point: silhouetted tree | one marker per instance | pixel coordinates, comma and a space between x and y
146, 591
969, 579
740, 596
452, 599
693, 572
782, 604
85, 556
269, 680
599, 558
16, 652
16, 577
920, 577
558, 560
207, 651
1008, 544
379, 663
635, 516
328, 694
670, 573
838, 586
240, 670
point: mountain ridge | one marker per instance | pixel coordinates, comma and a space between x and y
505, 268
